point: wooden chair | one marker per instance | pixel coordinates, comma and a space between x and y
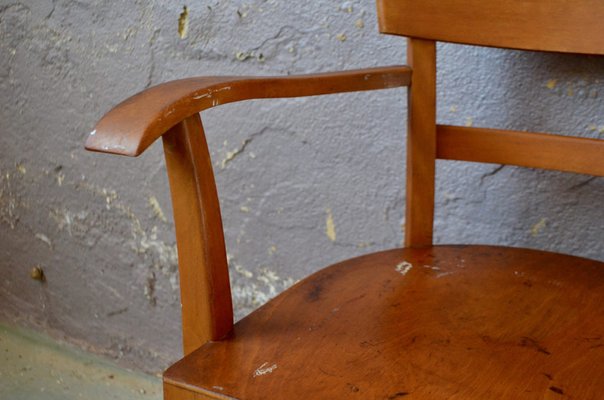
420, 322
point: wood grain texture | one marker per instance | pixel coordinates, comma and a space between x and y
207, 311
534, 150
552, 25
131, 126
172, 392
443, 322
421, 143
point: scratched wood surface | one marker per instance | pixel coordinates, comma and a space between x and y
444, 322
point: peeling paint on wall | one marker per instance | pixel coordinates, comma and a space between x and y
43, 238
9, 201
251, 290
156, 209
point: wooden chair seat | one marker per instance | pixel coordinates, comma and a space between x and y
441, 322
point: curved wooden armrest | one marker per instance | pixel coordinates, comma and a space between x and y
171, 111
131, 126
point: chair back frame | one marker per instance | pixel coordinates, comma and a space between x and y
552, 25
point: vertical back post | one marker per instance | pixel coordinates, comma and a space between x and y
207, 311
421, 143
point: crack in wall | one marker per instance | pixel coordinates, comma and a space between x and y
582, 184
284, 34
231, 155
494, 172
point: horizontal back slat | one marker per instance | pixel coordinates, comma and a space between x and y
534, 150
575, 26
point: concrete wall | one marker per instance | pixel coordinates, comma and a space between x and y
303, 182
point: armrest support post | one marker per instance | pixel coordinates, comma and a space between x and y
207, 310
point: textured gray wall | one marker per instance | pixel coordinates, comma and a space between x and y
303, 183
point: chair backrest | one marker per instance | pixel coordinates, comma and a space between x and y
542, 25
547, 25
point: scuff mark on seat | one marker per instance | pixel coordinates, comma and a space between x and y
264, 370
403, 268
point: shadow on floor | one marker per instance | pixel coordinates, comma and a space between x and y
33, 367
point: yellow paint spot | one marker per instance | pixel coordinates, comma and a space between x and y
592, 127
21, 168
469, 121
538, 227
156, 208
244, 209
453, 108
272, 250
359, 23
37, 273
183, 23
341, 37
570, 91
330, 227
242, 55
551, 84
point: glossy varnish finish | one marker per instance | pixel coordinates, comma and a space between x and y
450, 322
573, 26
